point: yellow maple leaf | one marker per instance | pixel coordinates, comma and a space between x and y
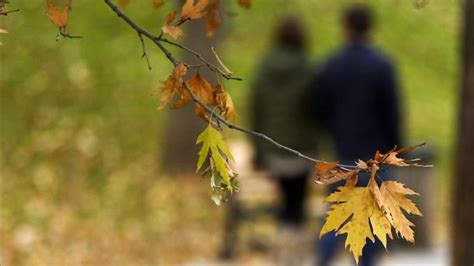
213, 143
350, 215
393, 194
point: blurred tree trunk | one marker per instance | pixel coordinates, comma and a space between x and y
463, 214
183, 126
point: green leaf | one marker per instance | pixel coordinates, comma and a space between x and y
213, 143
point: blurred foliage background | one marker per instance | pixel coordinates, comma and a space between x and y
81, 137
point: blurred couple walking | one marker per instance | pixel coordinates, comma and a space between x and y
351, 99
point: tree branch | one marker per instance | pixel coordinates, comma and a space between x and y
158, 41
200, 57
8, 12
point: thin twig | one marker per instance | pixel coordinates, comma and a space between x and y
69, 5
144, 55
64, 34
158, 41
8, 12
202, 59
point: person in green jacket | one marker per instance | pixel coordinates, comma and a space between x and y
280, 93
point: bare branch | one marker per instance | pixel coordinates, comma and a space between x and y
144, 55
8, 12
202, 59
158, 41
64, 34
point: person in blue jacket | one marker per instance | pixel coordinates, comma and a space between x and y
356, 101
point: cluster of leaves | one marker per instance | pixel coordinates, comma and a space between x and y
191, 10
223, 178
212, 96
365, 212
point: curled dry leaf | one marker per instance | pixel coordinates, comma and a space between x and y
391, 157
59, 18
202, 90
171, 86
224, 102
157, 4
328, 173
214, 17
192, 10
173, 31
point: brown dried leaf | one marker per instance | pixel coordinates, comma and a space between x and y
59, 18
171, 86
374, 189
327, 173
214, 17
157, 4
173, 31
194, 11
245, 3
224, 101
202, 90
391, 157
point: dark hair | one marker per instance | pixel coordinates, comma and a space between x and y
291, 33
358, 19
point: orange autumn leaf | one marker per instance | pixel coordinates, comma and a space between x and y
214, 17
172, 86
202, 89
245, 3
327, 173
224, 102
324, 168
192, 10
157, 4
173, 31
123, 3
59, 18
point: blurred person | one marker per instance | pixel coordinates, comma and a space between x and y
279, 92
355, 98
